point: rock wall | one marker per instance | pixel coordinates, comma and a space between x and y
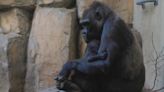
37, 37
50, 46
15, 27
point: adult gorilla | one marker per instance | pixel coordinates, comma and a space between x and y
121, 69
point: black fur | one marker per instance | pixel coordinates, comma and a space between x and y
66, 82
122, 69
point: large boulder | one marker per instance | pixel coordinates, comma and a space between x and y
14, 30
51, 44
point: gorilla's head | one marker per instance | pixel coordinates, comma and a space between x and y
93, 20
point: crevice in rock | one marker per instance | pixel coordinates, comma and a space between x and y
17, 51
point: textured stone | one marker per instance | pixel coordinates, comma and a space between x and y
16, 3
51, 44
57, 3
14, 29
4, 78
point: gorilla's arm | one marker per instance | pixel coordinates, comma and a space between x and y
109, 48
88, 68
96, 67
99, 66
108, 44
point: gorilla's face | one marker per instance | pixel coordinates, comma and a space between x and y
92, 24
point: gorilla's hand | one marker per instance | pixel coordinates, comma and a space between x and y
100, 56
68, 86
66, 71
60, 85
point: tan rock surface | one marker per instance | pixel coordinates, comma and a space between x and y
50, 46
16, 3
14, 30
